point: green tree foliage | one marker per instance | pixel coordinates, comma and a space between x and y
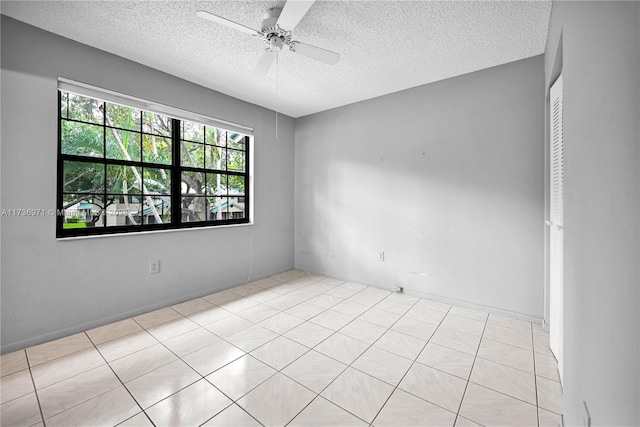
95, 129
213, 149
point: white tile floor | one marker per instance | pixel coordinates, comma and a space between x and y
295, 349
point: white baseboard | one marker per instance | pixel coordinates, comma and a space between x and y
61, 333
451, 301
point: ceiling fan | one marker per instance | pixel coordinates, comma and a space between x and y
275, 29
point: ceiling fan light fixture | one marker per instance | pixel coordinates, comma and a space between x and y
275, 43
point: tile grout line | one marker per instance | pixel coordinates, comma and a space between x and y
247, 354
235, 401
73, 376
120, 379
390, 328
535, 377
504, 393
502, 364
412, 363
372, 345
311, 348
471, 371
202, 377
35, 389
350, 364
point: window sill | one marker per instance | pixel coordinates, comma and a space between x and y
151, 232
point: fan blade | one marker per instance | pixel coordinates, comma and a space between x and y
293, 12
264, 63
316, 53
222, 21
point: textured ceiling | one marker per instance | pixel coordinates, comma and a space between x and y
385, 46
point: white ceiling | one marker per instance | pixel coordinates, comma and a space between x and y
385, 46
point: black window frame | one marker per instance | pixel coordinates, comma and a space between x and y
175, 168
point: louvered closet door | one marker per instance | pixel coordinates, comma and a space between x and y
556, 224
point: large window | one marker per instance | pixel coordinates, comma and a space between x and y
124, 169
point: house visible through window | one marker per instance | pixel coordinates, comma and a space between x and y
123, 169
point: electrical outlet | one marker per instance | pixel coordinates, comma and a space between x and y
380, 256
154, 266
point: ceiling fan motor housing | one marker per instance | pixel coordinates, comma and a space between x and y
271, 33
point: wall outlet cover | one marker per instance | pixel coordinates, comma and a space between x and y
154, 266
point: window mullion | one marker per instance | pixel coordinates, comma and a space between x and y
176, 173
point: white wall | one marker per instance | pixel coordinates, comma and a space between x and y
53, 288
447, 179
601, 77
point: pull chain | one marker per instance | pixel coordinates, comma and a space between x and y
277, 81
